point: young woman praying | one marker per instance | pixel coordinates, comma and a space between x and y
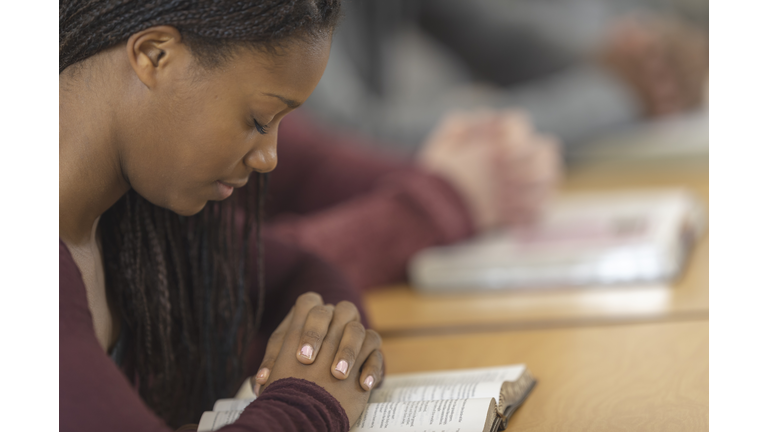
168, 291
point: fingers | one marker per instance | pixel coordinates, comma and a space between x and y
344, 339
344, 313
373, 367
526, 184
515, 131
286, 332
304, 304
315, 329
450, 131
543, 164
349, 349
273, 349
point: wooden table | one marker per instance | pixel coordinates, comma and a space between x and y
398, 310
637, 377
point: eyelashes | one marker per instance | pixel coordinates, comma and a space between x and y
262, 129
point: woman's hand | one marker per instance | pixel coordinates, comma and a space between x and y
327, 345
502, 167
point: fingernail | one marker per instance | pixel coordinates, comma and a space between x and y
369, 382
342, 366
263, 374
306, 351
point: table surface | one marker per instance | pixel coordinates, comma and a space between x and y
399, 311
634, 377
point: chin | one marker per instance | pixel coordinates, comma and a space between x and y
185, 208
188, 210
183, 204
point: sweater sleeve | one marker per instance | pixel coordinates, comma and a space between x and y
363, 212
95, 396
294, 405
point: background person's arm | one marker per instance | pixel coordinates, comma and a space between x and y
361, 211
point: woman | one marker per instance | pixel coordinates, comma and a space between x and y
165, 106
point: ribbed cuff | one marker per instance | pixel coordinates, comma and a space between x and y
300, 393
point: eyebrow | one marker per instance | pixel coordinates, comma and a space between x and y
291, 103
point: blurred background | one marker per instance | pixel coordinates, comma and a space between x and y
585, 71
482, 124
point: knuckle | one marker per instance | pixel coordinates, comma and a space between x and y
348, 353
377, 365
374, 337
356, 328
274, 338
321, 311
309, 298
347, 307
268, 360
313, 336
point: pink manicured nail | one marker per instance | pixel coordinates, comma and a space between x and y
306, 351
263, 374
342, 366
369, 382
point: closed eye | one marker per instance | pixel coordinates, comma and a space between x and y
262, 129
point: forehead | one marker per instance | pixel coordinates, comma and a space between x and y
291, 70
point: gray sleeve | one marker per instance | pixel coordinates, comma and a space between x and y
572, 104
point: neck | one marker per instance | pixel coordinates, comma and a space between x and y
90, 177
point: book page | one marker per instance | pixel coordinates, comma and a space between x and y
232, 404
489, 389
462, 376
463, 415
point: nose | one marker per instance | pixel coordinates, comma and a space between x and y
263, 157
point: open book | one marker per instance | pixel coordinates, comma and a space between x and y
467, 400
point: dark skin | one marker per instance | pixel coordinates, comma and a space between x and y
146, 116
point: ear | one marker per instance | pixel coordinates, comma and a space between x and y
154, 52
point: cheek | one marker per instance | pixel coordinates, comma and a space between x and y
204, 146
176, 169
184, 145
213, 149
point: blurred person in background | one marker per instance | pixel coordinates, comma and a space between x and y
577, 67
368, 212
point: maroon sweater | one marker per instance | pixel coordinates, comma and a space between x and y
364, 212
95, 395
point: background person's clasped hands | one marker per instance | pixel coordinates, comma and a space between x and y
504, 169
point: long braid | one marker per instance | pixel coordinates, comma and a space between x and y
163, 295
148, 276
139, 284
261, 271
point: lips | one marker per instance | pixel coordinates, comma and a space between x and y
224, 188
235, 185
223, 191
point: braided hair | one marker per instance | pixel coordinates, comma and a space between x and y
180, 283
